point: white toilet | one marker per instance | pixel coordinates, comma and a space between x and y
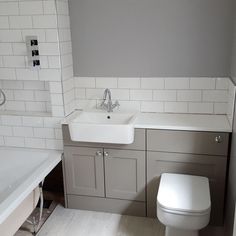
183, 204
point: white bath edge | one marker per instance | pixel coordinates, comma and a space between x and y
30, 183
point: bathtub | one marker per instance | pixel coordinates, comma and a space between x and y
21, 171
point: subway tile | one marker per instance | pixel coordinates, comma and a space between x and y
9, 94
176, 83
176, 107
52, 122
222, 83
58, 111
50, 74
35, 143
69, 97
85, 82
54, 62
220, 108
9, 8
20, 22
142, 95
35, 106
5, 130
64, 35
65, 47
202, 83
23, 131
62, 8
24, 95
14, 61
130, 105
51, 35
106, 82
19, 49
195, 107
7, 73
14, 141
164, 95
42, 96
66, 60
152, 107
38, 85
56, 87
12, 84
15, 106
68, 85
49, 7
4, 23
58, 133
32, 121
132, 83
54, 144
189, 95
215, 95
67, 73
44, 133
31, 7
152, 83
10, 36
6, 49
45, 21
44, 62
120, 94
80, 93
47, 49
40, 33
26, 74
56, 99
11, 120
94, 93
63, 21
86, 103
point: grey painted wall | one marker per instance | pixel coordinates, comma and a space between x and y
231, 193
129, 38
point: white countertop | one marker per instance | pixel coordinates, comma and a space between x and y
189, 122
173, 121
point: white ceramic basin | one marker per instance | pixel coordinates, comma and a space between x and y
103, 127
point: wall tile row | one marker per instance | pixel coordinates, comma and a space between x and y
182, 95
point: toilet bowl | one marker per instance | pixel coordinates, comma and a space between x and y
183, 204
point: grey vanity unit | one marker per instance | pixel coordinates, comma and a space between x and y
125, 178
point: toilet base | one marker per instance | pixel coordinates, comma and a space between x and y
170, 231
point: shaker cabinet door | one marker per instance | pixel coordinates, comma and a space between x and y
125, 174
84, 171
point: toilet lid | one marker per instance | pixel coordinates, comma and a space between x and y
185, 193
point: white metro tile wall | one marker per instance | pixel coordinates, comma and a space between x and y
36, 93
173, 95
26, 96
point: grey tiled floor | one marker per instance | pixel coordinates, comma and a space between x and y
67, 222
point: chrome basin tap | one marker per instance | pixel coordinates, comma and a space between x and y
109, 106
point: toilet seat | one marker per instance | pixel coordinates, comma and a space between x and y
184, 194
184, 213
